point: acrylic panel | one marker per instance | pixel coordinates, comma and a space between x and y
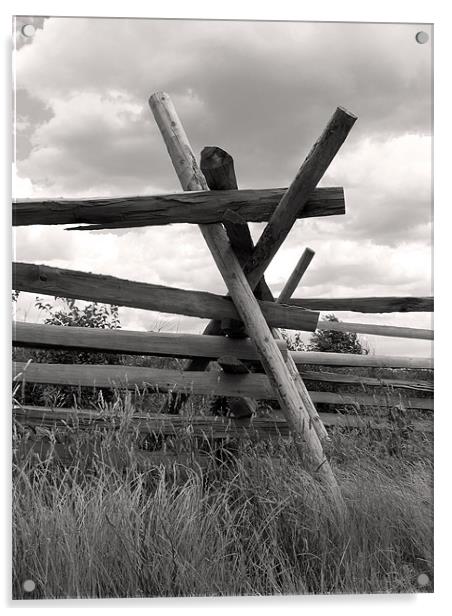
223, 308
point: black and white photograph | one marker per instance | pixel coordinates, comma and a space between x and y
222, 308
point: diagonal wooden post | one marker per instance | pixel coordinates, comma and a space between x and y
280, 223
295, 277
191, 178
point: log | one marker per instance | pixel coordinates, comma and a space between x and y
358, 379
194, 208
242, 244
250, 313
296, 276
111, 290
185, 345
296, 196
376, 330
161, 380
218, 169
198, 426
127, 342
302, 358
366, 304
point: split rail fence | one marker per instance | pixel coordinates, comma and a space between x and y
242, 335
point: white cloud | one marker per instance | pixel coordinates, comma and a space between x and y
264, 92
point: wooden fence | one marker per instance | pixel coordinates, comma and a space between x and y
245, 315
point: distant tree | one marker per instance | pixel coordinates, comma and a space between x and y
336, 342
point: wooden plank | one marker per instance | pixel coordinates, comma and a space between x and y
294, 279
376, 330
111, 290
205, 383
195, 208
198, 426
127, 342
365, 304
186, 345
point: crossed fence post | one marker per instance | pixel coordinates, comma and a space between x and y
241, 282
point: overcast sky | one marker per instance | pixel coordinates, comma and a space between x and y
263, 91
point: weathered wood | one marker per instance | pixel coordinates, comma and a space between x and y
376, 330
365, 304
284, 218
295, 277
297, 195
111, 290
195, 208
160, 380
291, 404
362, 361
232, 365
242, 244
198, 426
358, 379
218, 169
187, 345
127, 342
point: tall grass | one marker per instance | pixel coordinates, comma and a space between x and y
259, 525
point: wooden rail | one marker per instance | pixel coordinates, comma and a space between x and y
111, 290
198, 426
366, 304
371, 361
204, 207
133, 342
376, 330
205, 383
188, 345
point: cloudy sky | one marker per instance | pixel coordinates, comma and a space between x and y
263, 91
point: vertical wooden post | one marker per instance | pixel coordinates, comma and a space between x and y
191, 178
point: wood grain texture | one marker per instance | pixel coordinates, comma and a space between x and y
366, 304
111, 290
201, 426
212, 383
195, 208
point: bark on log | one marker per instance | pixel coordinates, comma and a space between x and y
194, 208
